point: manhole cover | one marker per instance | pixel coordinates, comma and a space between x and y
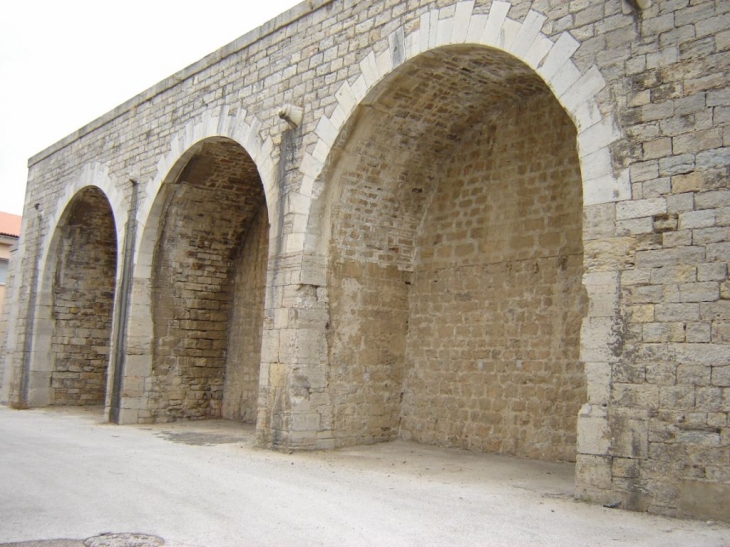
124, 540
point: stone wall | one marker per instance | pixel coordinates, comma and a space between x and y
496, 300
455, 291
83, 296
390, 90
246, 323
211, 210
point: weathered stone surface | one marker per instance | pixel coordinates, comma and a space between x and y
481, 197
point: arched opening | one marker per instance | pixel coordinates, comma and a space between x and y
208, 288
82, 299
455, 260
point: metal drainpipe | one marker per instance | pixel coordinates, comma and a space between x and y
30, 317
122, 309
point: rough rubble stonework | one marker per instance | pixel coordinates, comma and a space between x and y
500, 226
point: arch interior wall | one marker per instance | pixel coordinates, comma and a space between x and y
456, 251
83, 297
208, 289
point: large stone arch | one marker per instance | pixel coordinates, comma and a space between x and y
74, 342
220, 128
576, 92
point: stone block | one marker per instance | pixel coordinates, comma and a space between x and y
677, 312
685, 273
699, 332
677, 398
699, 292
629, 436
715, 311
640, 396
696, 375
712, 272
661, 374
670, 257
593, 431
593, 471
609, 254
721, 376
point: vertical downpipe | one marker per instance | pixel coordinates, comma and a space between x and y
122, 309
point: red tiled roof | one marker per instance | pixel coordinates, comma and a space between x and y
10, 225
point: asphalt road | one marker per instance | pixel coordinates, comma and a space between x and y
66, 477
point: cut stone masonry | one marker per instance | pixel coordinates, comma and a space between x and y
495, 225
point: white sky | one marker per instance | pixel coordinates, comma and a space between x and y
64, 63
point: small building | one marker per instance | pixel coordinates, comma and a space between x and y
9, 235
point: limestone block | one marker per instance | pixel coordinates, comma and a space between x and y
359, 88
128, 416
137, 365
630, 437
670, 257
301, 422
677, 312
640, 208
326, 131
644, 171
270, 343
703, 354
625, 467
508, 34
609, 254
593, 431
495, 21
311, 377
641, 396
477, 24
346, 98
685, 273
397, 48
596, 165
599, 221
310, 166
384, 63
598, 339
601, 134
601, 283
640, 313
593, 471
605, 187
721, 376
540, 47
709, 399
635, 226
598, 377
444, 31
294, 243
428, 29
527, 34
134, 386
